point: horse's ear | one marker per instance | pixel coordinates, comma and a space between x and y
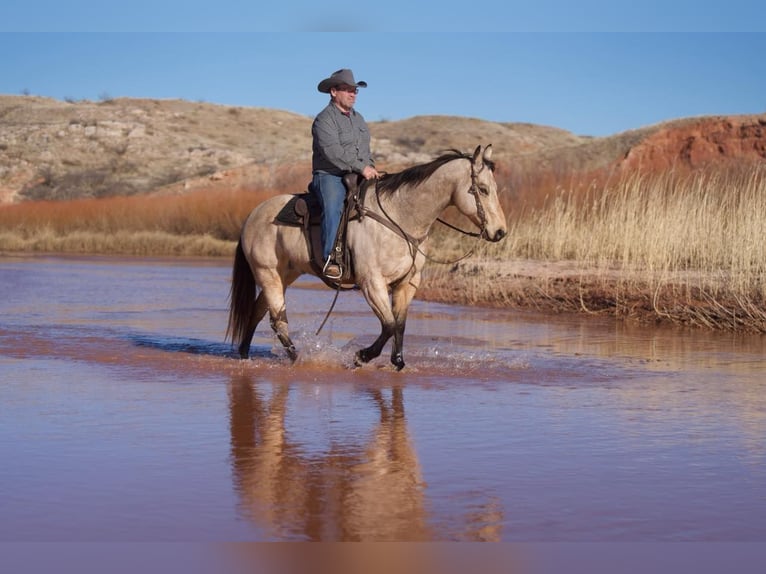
476, 156
488, 152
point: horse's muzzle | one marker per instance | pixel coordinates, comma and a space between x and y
497, 236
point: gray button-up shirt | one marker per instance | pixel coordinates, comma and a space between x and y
341, 142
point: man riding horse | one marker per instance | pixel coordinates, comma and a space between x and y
386, 243
341, 145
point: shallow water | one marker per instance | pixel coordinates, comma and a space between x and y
125, 417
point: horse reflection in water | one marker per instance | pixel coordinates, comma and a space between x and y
365, 492
369, 493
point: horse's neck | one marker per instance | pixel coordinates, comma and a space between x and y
415, 209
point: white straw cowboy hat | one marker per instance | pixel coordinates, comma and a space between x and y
340, 78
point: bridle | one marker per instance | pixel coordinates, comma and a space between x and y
414, 242
473, 190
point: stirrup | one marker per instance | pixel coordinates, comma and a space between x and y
335, 275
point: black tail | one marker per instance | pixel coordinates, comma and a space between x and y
241, 297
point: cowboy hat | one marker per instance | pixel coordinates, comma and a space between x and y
339, 78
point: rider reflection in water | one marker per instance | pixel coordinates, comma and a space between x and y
341, 144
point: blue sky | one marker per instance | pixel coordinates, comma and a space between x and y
575, 69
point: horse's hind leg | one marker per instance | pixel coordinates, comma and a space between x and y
258, 312
279, 324
273, 290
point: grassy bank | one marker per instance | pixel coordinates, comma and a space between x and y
679, 248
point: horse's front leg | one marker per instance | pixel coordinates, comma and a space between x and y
377, 297
392, 320
402, 297
369, 353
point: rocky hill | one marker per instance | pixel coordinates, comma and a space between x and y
699, 142
52, 149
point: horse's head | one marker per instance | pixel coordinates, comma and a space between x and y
480, 202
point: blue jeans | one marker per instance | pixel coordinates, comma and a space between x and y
332, 195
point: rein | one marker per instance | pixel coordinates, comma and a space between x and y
455, 228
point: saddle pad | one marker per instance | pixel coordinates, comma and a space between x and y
295, 209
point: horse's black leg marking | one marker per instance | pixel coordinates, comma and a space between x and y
397, 358
369, 353
258, 312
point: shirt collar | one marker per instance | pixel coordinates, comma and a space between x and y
341, 112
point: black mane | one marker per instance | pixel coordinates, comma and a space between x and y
418, 174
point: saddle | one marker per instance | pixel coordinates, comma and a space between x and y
305, 210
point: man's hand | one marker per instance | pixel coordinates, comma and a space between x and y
370, 172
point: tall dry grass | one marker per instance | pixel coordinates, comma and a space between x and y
198, 223
707, 225
686, 247
683, 247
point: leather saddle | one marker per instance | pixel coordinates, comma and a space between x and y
305, 210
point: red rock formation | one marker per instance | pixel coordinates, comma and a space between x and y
697, 143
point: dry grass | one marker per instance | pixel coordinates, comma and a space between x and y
144, 243
683, 248
199, 223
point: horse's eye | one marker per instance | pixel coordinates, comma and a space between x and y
483, 190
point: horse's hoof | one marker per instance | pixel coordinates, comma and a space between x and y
361, 358
292, 353
398, 362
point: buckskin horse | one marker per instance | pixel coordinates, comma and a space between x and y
387, 244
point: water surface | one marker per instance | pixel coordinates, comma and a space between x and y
126, 417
